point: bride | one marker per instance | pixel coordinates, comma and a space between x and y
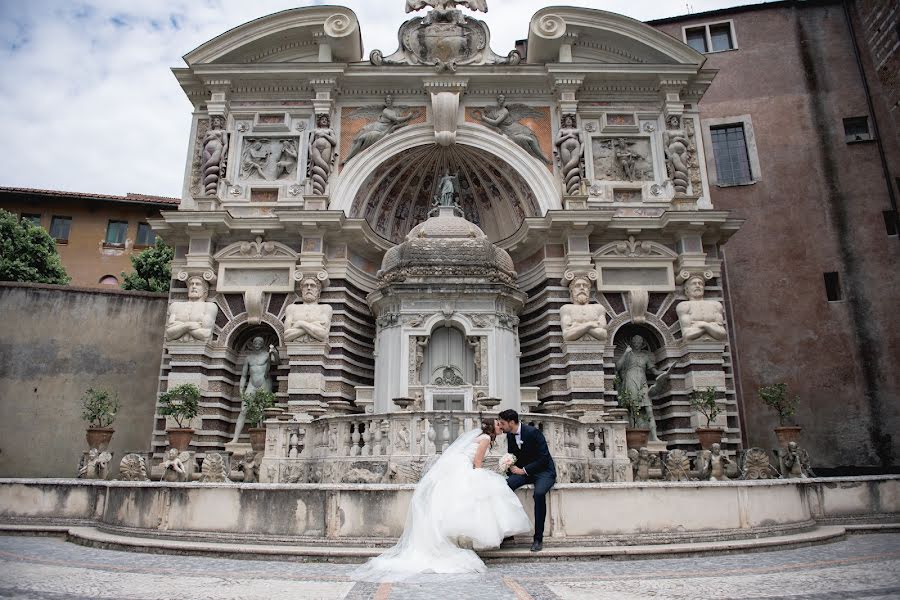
457, 503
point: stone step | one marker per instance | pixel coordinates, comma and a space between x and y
92, 536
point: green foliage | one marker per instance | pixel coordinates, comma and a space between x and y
152, 269
704, 401
28, 253
776, 397
99, 407
628, 401
181, 403
256, 404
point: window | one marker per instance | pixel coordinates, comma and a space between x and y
109, 280
856, 129
730, 150
116, 232
890, 221
33, 219
59, 228
696, 39
833, 287
145, 235
711, 37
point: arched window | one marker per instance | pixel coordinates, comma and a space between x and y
109, 280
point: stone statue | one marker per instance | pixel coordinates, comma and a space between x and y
677, 155
250, 467
698, 317
309, 321
133, 468
632, 368
477, 345
173, 465
268, 159
421, 343
96, 466
713, 464
641, 463
474, 5
447, 190
506, 119
255, 376
192, 320
580, 320
794, 462
627, 158
212, 156
755, 465
570, 151
389, 120
322, 145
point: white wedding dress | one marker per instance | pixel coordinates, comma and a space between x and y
453, 504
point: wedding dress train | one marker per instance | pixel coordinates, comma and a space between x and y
454, 504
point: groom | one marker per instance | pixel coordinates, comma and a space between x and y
533, 465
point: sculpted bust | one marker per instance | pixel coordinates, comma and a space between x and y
309, 321
192, 320
580, 320
699, 317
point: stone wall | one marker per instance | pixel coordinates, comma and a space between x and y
57, 342
815, 206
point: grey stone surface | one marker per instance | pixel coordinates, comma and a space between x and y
866, 566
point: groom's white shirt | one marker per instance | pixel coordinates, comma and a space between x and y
519, 435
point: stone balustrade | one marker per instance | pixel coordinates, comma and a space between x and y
398, 447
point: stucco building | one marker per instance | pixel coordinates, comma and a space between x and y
802, 116
95, 233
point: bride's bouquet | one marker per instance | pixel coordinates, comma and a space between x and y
506, 461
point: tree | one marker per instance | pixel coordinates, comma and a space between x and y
28, 253
152, 269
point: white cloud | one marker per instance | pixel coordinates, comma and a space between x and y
90, 104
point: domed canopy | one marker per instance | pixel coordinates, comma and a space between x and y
448, 247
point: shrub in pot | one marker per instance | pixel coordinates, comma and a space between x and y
256, 404
182, 404
776, 397
635, 437
99, 408
704, 402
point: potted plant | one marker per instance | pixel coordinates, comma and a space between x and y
256, 404
776, 397
99, 408
181, 403
704, 402
635, 437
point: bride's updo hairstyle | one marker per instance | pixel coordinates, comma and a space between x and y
487, 426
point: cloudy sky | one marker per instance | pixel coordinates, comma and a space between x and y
90, 103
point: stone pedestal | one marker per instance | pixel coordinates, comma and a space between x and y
237, 448
306, 378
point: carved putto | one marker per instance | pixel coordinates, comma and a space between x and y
95, 466
174, 465
505, 118
641, 462
794, 462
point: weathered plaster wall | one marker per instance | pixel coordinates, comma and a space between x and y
57, 342
817, 207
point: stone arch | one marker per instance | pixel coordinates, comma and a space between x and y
537, 177
239, 331
652, 330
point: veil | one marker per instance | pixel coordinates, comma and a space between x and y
424, 546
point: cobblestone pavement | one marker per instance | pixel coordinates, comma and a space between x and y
865, 566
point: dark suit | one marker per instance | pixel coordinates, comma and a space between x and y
534, 457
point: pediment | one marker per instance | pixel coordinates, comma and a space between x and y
257, 249
632, 248
603, 37
287, 36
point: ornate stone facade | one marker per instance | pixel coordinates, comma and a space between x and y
393, 318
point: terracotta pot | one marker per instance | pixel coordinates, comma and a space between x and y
709, 436
180, 438
787, 434
257, 438
99, 437
636, 438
